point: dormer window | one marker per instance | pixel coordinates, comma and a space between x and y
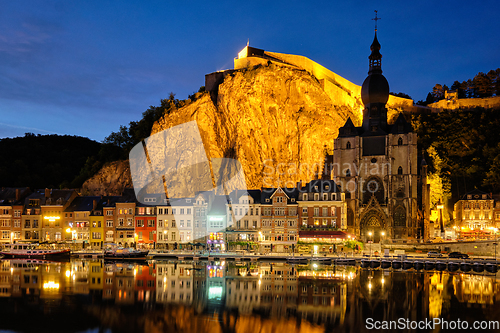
374, 128
267, 199
293, 199
304, 196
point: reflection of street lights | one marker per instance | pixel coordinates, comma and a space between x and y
370, 234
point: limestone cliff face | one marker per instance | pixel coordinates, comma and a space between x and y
110, 180
275, 120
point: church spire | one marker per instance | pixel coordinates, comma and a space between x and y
375, 57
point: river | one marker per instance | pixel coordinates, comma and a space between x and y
228, 296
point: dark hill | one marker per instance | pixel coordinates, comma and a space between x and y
40, 161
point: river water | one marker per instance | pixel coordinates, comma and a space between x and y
186, 296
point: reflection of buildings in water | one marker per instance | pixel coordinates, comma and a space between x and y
476, 289
80, 276
96, 276
243, 287
199, 286
216, 286
385, 295
278, 289
145, 283
322, 294
438, 296
33, 280
124, 284
174, 282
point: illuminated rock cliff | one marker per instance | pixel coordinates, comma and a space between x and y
276, 114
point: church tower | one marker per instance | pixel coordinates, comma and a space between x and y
376, 165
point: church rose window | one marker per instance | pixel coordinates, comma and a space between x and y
373, 186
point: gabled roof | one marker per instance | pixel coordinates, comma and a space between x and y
268, 193
83, 204
477, 195
401, 126
349, 129
218, 205
13, 195
321, 186
255, 194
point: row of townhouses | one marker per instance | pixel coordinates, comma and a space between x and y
269, 219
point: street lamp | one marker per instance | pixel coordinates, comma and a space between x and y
370, 235
440, 206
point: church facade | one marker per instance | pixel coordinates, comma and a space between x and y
376, 165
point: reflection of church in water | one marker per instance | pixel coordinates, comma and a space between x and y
376, 164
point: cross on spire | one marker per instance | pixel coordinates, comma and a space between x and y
376, 19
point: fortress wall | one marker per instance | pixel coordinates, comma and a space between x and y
317, 70
322, 72
340, 90
465, 103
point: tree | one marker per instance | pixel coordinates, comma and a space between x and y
482, 85
438, 92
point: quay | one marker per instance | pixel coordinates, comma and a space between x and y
402, 261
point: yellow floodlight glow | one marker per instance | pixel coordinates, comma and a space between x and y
440, 206
68, 230
51, 218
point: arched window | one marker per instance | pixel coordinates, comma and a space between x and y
400, 141
400, 171
399, 217
348, 173
348, 145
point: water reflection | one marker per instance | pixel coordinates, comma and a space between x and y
231, 296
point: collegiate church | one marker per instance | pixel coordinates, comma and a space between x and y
376, 165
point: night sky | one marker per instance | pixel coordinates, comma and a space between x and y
87, 67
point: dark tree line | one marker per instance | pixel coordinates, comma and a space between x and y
54, 161
39, 161
467, 143
482, 85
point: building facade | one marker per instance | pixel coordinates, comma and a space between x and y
376, 164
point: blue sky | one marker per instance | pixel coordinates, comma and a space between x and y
87, 67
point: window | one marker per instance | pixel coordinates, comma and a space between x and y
316, 211
109, 235
139, 235
348, 173
400, 171
348, 145
188, 211
304, 210
96, 235
400, 141
151, 223
109, 223
109, 213
140, 223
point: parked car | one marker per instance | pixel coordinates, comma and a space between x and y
434, 254
458, 255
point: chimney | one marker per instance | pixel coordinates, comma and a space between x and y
47, 193
94, 204
18, 194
